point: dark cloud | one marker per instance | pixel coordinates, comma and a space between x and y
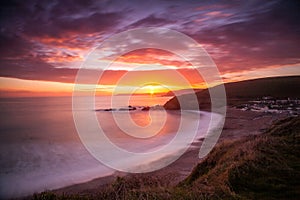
28, 20
151, 21
30, 69
12, 47
33, 31
55, 27
268, 38
56, 19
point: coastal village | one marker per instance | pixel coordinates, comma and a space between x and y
269, 104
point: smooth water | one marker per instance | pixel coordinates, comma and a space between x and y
40, 148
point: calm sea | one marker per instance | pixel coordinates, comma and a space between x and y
40, 148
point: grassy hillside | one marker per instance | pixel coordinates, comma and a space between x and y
280, 87
238, 92
265, 166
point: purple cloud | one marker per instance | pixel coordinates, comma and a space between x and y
238, 35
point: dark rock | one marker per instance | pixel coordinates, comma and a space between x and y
146, 108
130, 108
109, 109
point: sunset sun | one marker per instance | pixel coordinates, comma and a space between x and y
151, 90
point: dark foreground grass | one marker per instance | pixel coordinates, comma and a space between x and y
265, 166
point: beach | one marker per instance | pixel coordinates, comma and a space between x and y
238, 124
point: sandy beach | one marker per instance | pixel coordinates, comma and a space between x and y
238, 124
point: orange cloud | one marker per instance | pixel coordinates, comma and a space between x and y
60, 57
153, 56
63, 50
217, 14
169, 77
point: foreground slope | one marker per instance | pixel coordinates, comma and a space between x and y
264, 166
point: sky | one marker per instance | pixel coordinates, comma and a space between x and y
44, 43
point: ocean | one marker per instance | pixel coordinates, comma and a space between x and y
41, 149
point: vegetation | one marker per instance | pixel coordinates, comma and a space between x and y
265, 166
240, 92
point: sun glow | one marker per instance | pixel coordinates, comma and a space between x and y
154, 89
151, 90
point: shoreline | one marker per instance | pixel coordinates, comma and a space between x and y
238, 124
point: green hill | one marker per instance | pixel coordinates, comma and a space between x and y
238, 92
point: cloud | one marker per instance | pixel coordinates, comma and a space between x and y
151, 21
36, 28
33, 69
47, 40
58, 18
264, 39
13, 46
